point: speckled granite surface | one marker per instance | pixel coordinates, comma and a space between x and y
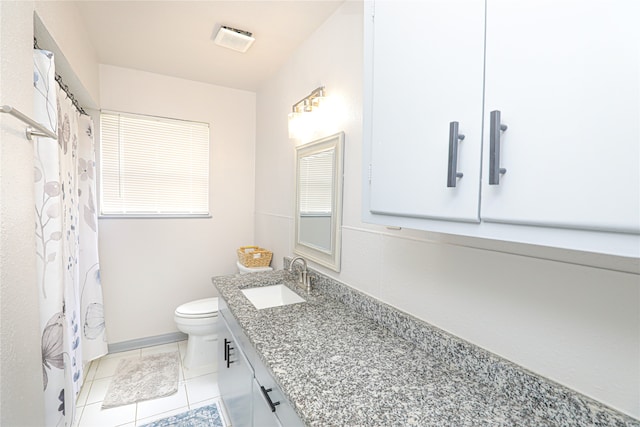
344, 359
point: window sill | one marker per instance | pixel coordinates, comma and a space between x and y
154, 216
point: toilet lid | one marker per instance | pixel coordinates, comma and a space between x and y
200, 307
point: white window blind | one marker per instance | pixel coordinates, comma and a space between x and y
153, 166
316, 183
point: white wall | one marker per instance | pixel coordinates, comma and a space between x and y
20, 354
577, 325
150, 266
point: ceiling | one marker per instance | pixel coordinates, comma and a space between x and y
175, 38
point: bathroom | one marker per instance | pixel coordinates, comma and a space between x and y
570, 316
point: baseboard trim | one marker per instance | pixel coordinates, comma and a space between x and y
119, 347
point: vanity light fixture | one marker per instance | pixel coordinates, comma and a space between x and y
311, 101
298, 119
232, 38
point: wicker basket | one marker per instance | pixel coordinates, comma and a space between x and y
253, 256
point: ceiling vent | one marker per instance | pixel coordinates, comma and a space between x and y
235, 39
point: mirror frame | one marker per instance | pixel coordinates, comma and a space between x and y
331, 258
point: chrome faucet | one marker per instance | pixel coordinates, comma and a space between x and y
303, 277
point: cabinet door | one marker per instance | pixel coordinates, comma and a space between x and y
427, 72
263, 416
235, 376
565, 76
284, 412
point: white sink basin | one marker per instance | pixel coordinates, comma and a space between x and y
271, 296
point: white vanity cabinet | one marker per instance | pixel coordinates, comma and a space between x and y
270, 406
549, 105
235, 376
249, 392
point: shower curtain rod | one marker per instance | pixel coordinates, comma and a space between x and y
63, 86
73, 99
39, 130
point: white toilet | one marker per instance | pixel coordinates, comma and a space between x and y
198, 320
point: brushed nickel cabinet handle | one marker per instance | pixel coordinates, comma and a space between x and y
494, 148
452, 170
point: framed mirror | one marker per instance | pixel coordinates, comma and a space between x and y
318, 213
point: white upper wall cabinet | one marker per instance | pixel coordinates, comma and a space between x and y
428, 60
565, 76
547, 96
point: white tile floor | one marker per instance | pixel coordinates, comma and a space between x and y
197, 387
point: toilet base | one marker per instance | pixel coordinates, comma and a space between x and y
201, 351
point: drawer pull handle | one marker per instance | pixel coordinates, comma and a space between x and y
227, 352
452, 171
265, 393
494, 148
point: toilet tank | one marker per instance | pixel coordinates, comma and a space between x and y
246, 270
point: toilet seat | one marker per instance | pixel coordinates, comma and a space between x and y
206, 307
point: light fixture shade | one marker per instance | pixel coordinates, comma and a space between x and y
231, 38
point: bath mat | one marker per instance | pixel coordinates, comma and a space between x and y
205, 416
148, 377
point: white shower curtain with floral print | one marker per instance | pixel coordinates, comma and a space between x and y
71, 310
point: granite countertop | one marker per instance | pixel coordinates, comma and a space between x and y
339, 367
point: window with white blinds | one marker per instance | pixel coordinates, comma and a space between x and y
153, 166
316, 183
